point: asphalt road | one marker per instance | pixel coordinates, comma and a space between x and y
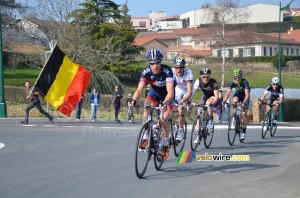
72, 160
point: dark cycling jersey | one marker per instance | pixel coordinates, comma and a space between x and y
240, 87
157, 81
207, 89
275, 93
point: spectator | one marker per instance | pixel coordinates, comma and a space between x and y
129, 108
227, 110
78, 108
95, 98
220, 112
117, 102
32, 94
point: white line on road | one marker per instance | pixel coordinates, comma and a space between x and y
2, 145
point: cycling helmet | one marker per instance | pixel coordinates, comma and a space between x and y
205, 71
275, 80
179, 62
154, 55
237, 73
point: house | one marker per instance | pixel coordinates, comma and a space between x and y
151, 43
252, 13
247, 44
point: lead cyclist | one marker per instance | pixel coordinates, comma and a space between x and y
184, 91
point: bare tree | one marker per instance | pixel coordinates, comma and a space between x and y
223, 17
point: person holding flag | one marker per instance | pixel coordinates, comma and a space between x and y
33, 95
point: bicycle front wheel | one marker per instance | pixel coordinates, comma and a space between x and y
273, 130
209, 136
158, 160
232, 128
195, 136
265, 126
142, 151
178, 145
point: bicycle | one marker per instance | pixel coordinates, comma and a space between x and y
268, 122
205, 133
177, 146
150, 146
234, 125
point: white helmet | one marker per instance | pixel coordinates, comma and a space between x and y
275, 80
129, 95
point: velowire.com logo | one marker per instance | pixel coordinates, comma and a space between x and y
188, 156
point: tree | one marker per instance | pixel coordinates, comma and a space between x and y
223, 17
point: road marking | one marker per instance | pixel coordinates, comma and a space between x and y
2, 145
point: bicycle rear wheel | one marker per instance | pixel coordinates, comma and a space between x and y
232, 129
209, 136
158, 160
142, 151
273, 130
265, 126
195, 134
178, 146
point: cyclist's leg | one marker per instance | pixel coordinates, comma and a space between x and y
166, 130
210, 110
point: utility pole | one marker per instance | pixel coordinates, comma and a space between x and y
3, 110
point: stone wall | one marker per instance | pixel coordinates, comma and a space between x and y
290, 108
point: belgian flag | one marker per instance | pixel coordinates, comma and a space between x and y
62, 82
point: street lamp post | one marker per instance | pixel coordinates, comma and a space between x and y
281, 118
3, 111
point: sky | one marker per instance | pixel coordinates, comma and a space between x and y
141, 8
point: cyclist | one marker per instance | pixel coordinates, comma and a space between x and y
160, 77
276, 96
184, 91
242, 94
210, 90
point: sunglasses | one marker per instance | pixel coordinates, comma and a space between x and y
155, 63
274, 84
237, 77
178, 67
205, 76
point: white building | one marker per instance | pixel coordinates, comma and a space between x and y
257, 13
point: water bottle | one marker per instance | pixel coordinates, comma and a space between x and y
233, 123
155, 132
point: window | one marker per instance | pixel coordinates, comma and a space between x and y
265, 51
142, 24
271, 53
246, 52
297, 51
292, 51
197, 42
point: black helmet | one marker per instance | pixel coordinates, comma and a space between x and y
205, 71
179, 62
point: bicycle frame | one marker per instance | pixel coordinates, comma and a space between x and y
268, 122
234, 123
147, 146
200, 128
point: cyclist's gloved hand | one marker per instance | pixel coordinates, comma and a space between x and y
133, 103
163, 107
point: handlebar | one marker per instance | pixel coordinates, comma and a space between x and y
201, 105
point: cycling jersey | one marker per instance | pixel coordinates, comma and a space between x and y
278, 92
240, 90
157, 81
181, 84
207, 89
239, 87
